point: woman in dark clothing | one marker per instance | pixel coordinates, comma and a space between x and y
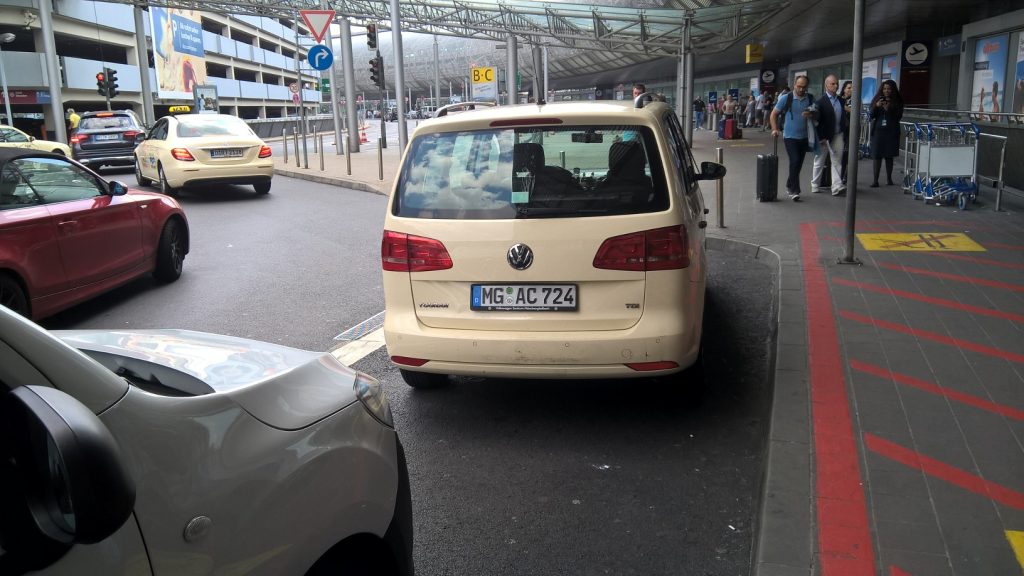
846, 96
886, 112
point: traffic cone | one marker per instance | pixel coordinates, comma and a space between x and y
362, 136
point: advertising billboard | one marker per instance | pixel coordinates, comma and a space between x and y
989, 74
177, 52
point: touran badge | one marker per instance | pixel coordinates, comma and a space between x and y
520, 256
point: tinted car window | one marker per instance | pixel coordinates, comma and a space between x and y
8, 135
104, 122
550, 172
196, 126
53, 180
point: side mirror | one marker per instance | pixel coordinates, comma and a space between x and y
140, 137
711, 171
64, 477
118, 188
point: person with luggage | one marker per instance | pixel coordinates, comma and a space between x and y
797, 111
828, 161
885, 113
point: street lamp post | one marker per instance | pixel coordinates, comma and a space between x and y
6, 38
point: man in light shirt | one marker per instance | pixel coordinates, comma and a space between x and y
832, 116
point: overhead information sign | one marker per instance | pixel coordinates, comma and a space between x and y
921, 242
484, 81
318, 22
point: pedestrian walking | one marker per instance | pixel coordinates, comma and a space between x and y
797, 111
830, 139
698, 112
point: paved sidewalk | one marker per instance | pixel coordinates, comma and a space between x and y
897, 433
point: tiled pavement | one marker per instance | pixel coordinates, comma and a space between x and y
897, 435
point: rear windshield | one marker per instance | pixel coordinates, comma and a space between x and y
198, 125
101, 122
549, 172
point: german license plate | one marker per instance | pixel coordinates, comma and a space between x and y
524, 297
226, 153
108, 136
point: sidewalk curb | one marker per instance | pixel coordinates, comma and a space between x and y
342, 182
784, 541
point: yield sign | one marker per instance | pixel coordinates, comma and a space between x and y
317, 21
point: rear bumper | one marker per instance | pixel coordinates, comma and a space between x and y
211, 175
106, 158
582, 354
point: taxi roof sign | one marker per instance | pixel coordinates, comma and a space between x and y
318, 21
179, 109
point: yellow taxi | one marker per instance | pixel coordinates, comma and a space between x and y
546, 241
14, 138
186, 150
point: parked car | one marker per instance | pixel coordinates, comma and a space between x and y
186, 453
187, 150
11, 137
106, 138
554, 241
67, 235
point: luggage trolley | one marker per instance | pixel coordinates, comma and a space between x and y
911, 143
946, 163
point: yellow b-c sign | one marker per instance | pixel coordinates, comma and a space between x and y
483, 75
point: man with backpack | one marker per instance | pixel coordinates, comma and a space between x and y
796, 111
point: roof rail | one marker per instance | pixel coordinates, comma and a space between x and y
443, 110
643, 99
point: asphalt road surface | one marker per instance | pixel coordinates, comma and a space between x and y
512, 477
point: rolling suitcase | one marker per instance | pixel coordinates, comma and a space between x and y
768, 175
730, 129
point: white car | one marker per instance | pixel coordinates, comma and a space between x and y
553, 241
185, 453
188, 150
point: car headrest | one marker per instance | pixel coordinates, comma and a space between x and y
527, 156
626, 160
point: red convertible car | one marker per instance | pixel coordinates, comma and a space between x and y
67, 235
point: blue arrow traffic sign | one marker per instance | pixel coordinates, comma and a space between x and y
320, 57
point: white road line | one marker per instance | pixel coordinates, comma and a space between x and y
354, 351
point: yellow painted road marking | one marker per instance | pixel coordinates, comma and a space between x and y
1016, 539
356, 350
921, 241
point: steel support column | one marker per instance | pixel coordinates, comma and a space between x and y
52, 71
142, 49
852, 160
350, 86
396, 40
512, 47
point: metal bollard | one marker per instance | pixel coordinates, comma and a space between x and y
284, 143
348, 156
380, 160
561, 157
720, 191
314, 140
321, 138
295, 138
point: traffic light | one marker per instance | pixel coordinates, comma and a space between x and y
101, 82
112, 83
377, 71
371, 36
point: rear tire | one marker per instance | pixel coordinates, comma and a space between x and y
170, 256
262, 188
165, 188
142, 180
423, 380
12, 296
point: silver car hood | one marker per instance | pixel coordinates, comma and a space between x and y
283, 387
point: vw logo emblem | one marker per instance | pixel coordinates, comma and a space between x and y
520, 256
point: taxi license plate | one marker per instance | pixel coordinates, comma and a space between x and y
226, 153
524, 297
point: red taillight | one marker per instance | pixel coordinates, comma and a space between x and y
658, 249
265, 151
409, 361
652, 366
407, 253
132, 134
182, 154
79, 138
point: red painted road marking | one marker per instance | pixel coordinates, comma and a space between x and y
945, 472
903, 329
1003, 246
894, 571
961, 397
955, 277
844, 539
984, 261
931, 300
